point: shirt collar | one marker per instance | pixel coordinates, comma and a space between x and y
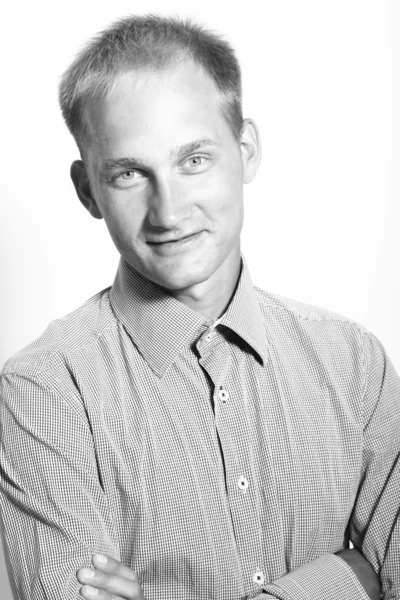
244, 315
162, 327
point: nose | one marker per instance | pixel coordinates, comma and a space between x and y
168, 205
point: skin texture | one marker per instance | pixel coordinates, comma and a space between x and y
164, 195
109, 581
171, 191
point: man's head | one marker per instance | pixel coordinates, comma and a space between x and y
148, 43
155, 107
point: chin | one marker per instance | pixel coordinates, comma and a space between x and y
178, 283
179, 279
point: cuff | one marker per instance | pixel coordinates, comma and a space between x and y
328, 577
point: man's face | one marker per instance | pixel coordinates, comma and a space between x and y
167, 175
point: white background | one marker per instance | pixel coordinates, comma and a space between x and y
322, 80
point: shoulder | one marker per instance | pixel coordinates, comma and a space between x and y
331, 335
64, 336
307, 339
301, 311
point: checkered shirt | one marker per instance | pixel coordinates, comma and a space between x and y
220, 462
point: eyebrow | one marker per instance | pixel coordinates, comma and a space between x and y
127, 162
192, 147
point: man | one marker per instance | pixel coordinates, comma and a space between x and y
210, 439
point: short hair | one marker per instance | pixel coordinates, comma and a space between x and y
152, 41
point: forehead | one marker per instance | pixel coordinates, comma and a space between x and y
157, 107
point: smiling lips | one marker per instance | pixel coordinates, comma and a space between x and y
166, 246
162, 241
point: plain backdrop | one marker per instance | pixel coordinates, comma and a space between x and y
322, 80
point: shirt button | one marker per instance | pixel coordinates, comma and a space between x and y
209, 333
259, 577
243, 484
223, 395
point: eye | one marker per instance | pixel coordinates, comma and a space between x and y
128, 175
125, 178
195, 161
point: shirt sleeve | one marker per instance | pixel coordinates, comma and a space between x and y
53, 511
326, 578
374, 526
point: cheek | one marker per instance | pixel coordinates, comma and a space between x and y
124, 226
223, 192
230, 199
231, 208
122, 212
232, 175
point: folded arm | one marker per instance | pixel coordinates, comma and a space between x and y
372, 569
54, 513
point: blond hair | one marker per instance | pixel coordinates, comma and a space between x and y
142, 42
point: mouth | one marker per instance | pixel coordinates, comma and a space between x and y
166, 245
166, 241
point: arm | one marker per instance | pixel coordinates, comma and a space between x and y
363, 570
54, 513
374, 526
113, 578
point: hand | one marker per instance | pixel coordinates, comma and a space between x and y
110, 580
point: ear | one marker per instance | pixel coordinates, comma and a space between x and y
250, 147
80, 180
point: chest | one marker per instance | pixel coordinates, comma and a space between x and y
224, 431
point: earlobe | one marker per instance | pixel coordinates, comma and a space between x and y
250, 146
81, 183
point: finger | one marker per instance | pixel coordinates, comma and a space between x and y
113, 584
91, 593
110, 565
